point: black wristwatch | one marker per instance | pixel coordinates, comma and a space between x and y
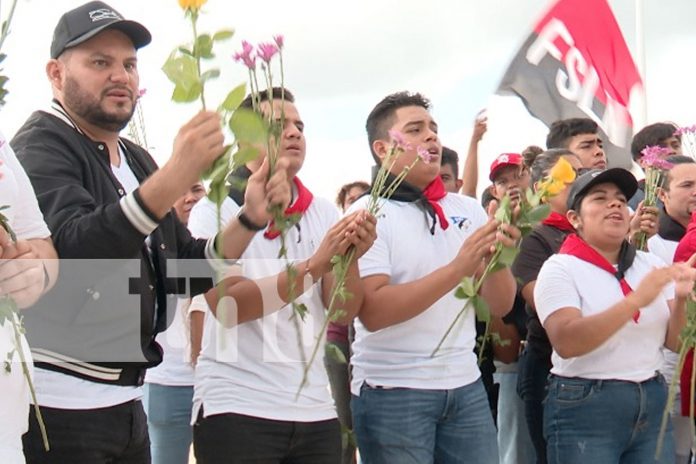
246, 222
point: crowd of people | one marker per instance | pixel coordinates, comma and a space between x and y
134, 364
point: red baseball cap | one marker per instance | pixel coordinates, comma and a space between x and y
504, 160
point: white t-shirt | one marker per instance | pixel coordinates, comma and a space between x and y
634, 353
175, 368
26, 220
254, 368
58, 390
662, 248
665, 249
400, 355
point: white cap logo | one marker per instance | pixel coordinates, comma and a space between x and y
103, 13
503, 159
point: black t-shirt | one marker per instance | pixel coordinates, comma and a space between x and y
543, 242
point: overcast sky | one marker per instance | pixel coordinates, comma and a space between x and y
343, 57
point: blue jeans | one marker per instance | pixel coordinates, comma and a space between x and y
168, 411
606, 421
410, 426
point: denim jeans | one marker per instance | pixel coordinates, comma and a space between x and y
168, 410
114, 435
235, 438
606, 421
533, 372
413, 426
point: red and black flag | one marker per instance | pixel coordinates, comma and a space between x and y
576, 64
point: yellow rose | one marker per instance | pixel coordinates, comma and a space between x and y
191, 4
562, 172
553, 187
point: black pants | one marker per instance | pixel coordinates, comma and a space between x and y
234, 438
113, 435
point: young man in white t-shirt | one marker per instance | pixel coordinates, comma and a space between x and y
246, 400
408, 405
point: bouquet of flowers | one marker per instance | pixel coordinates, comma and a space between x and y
530, 210
653, 161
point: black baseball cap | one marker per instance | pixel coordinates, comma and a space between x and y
620, 177
84, 22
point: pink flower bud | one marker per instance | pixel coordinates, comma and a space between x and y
424, 154
266, 51
398, 138
279, 40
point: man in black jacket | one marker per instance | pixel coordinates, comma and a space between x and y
108, 206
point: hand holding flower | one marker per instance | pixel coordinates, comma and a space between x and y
262, 193
362, 233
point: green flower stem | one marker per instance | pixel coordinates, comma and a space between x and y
25, 370
340, 272
477, 288
8, 21
194, 20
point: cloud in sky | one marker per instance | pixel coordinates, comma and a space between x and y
343, 57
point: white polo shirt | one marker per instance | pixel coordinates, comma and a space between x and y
26, 220
254, 368
405, 250
634, 352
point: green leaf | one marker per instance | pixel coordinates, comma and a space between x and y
468, 286
335, 353
507, 255
217, 191
529, 194
503, 213
538, 213
210, 74
248, 126
181, 70
483, 312
234, 98
223, 34
244, 155
185, 51
218, 169
185, 95
203, 47
300, 309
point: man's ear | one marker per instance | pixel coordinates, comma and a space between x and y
493, 191
54, 72
661, 194
381, 148
458, 183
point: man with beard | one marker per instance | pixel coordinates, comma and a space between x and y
105, 201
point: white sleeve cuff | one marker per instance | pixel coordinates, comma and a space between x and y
135, 214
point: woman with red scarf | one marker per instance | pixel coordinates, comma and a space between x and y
607, 309
542, 243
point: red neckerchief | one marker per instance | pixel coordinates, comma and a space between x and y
302, 202
575, 246
559, 221
434, 192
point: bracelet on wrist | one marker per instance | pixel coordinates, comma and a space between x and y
248, 223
